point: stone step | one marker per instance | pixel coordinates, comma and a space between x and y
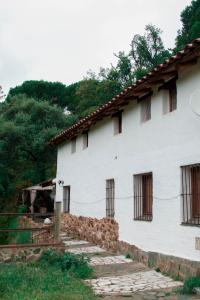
126, 284
109, 260
87, 250
118, 269
74, 242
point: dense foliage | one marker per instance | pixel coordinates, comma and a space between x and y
26, 125
146, 51
67, 262
190, 18
190, 284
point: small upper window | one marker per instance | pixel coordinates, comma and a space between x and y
146, 109
118, 123
85, 140
73, 145
172, 98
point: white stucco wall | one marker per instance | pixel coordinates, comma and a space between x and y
161, 146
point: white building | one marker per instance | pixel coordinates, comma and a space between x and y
137, 159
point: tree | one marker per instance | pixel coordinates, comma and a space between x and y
26, 126
190, 18
121, 75
91, 93
147, 51
54, 92
1, 93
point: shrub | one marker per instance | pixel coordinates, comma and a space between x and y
67, 262
190, 284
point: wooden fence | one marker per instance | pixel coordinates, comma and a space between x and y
30, 230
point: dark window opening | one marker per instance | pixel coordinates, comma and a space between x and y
172, 98
118, 123
66, 199
85, 140
73, 145
146, 109
110, 198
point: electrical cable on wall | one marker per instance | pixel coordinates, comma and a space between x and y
128, 197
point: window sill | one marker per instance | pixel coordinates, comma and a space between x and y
144, 218
190, 224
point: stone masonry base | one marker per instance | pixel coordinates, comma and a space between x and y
104, 232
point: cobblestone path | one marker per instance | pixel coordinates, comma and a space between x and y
120, 278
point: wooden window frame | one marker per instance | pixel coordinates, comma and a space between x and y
171, 87
172, 98
145, 104
110, 198
190, 178
143, 197
117, 122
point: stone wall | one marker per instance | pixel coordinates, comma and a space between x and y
176, 267
103, 232
23, 254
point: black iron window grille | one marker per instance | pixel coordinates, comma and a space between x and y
110, 198
191, 194
143, 197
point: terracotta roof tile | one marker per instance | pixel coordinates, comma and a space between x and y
117, 102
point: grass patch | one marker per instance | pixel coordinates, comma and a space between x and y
55, 276
128, 255
189, 285
69, 262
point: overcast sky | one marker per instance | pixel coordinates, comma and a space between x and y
60, 40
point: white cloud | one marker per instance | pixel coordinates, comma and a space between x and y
59, 40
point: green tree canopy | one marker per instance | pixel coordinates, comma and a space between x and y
146, 52
190, 18
54, 92
26, 126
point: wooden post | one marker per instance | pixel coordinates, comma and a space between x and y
57, 221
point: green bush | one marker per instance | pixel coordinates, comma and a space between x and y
190, 284
67, 262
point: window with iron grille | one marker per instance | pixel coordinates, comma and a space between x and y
110, 198
143, 197
66, 199
191, 194
118, 123
146, 109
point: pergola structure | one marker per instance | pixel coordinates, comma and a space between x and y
40, 187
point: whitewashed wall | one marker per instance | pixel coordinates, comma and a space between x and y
160, 145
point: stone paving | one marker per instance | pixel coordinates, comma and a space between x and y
74, 242
141, 281
118, 277
109, 260
86, 250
